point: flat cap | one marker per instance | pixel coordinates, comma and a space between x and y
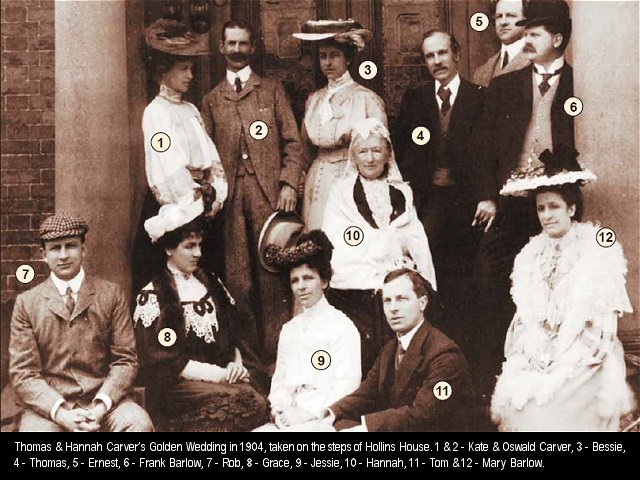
62, 225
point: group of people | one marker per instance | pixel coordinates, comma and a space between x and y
380, 316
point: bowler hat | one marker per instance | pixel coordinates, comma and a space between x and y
546, 13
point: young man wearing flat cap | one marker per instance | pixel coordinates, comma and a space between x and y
72, 352
523, 116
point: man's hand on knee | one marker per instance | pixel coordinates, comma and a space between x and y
71, 420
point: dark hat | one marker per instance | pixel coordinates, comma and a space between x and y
281, 229
547, 13
62, 225
550, 169
173, 37
308, 246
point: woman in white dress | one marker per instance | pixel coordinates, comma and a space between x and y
188, 172
372, 197
318, 359
564, 368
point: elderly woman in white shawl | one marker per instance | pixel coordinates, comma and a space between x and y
372, 196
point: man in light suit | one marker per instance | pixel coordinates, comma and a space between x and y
523, 116
398, 394
72, 352
506, 14
263, 176
443, 174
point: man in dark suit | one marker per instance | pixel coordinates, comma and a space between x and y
442, 172
399, 393
72, 350
510, 57
523, 116
263, 176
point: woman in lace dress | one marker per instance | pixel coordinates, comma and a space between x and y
198, 378
189, 172
372, 196
564, 367
330, 111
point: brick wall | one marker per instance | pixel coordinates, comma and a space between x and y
27, 135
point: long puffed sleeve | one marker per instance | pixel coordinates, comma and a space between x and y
172, 174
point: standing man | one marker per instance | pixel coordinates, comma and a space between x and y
263, 176
442, 174
72, 352
506, 13
524, 116
398, 394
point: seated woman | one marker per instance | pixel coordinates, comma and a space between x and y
301, 389
564, 367
197, 381
372, 196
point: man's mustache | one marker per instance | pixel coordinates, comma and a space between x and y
528, 48
236, 57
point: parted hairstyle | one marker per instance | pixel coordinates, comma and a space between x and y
242, 24
455, 46
570, 193
421, 286
348, 49
321, 260
172, 239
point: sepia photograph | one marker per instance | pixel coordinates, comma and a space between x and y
320, 216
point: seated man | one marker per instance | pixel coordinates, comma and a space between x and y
72, 352
398, 393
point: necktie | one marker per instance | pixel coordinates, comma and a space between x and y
505, 60
71, 303
444, 94
544, 86
399, 354
238, 85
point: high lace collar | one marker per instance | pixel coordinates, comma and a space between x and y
563, 242
343, 81
317, 308
170, 94
177, 273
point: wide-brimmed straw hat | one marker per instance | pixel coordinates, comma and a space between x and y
553, 169
173, 37
343, 31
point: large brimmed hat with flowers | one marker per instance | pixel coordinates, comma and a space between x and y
173, 37
552, 169
342, 31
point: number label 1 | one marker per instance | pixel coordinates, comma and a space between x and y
160, 142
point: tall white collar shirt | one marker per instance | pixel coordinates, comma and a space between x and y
74, 283
453, 86
244, 75
539, 69
512, 50
405, 340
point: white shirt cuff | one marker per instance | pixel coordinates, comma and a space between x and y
105, 399
55, 408
364, 424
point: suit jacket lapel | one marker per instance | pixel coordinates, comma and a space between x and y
254, 81
411, 360
519, 61
54, 300
85, 297
387, 369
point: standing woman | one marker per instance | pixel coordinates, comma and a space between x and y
189, 172
330, 111
564, 368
